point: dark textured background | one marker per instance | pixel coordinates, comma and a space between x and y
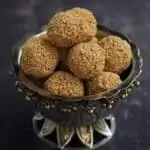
19, 17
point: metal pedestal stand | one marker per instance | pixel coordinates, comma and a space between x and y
67, 137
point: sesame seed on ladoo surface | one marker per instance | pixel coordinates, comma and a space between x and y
70, 27
104, 81
85, 13
62, 53
86, 60
64, 84
39, 58
118, 54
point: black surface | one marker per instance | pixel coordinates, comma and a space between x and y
19, 17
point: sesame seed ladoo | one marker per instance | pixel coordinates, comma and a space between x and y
118, 54
104, 82
64, 84
70, 27
39, 58
86, 60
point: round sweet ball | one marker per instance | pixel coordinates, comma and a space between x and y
104, 82
118, 54
70, 27
39, 58
86, 60
64, 84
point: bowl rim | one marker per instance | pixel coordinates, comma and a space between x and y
136, 70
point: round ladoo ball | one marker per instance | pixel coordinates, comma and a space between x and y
86, 60
64, 84
104, 82
118, 54
39, 58
70, 27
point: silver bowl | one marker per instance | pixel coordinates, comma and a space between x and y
78, 111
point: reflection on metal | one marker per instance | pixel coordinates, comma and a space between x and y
38, 116
85, 135
103, 128
47, 128
65, 133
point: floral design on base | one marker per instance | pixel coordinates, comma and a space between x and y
65, 133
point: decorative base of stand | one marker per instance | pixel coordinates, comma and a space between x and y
67, 137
